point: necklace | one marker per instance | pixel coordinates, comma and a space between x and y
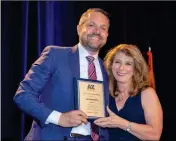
119, 97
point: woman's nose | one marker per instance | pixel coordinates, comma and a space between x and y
121, 67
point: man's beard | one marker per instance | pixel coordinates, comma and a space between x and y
89, 45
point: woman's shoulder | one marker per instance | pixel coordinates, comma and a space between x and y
149, 96
148, 92
145, 92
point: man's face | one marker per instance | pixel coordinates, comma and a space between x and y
93, 32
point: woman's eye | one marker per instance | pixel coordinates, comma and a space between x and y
117, 62
128, 64
90, 25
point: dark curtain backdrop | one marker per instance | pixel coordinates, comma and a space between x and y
28, 26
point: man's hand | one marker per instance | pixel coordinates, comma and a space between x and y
72, 118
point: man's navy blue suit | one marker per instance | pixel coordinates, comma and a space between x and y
48, 86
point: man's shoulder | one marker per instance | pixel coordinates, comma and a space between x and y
57, 48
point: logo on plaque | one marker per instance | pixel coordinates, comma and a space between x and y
90, 87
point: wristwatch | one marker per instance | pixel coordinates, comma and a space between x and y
129, 127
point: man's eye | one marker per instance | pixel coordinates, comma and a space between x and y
104, 29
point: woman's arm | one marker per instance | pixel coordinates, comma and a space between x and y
153, 116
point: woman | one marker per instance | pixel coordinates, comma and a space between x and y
136, 112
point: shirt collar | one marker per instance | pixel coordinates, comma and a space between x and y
84, 52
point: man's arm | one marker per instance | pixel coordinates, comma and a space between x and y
28, 94
53, 118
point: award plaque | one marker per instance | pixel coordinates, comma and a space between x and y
89, 97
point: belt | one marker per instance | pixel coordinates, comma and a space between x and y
75, 135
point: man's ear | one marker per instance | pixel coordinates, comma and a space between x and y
78, 29
107, 34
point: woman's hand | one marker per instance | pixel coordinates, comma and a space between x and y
111, 122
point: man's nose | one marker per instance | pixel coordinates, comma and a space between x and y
97, 30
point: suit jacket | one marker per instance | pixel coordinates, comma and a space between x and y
48, 86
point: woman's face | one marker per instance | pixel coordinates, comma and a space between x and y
123, 68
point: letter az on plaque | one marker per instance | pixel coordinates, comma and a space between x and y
89, 97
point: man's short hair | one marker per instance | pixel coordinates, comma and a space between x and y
85, 14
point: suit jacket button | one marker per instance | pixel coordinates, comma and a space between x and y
122, 138
65, 138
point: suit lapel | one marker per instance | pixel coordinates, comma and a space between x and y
74, 61
102, 69
106, 83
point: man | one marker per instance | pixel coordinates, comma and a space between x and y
47, 91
